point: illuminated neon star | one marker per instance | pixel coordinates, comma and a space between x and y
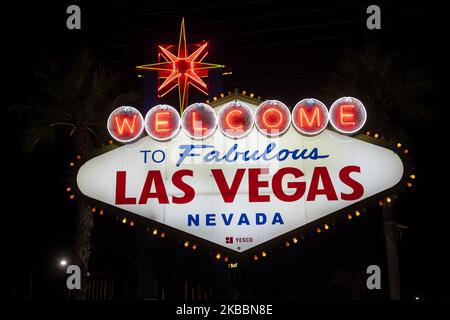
182, 70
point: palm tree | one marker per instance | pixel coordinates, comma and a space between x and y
349, 277
77, 94
393, 90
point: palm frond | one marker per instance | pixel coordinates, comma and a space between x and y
39, 136
76, 92
125, 98
391, 85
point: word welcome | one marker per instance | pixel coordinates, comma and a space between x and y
236, 119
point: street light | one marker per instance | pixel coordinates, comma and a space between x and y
62, 263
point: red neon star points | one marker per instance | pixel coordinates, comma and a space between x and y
182, 69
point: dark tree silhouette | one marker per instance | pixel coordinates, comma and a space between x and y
393, 89
76, 96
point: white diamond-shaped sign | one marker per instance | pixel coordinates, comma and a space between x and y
249, 219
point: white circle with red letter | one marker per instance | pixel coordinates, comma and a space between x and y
125, 124
162, 122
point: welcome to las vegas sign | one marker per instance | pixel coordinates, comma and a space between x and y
240, 174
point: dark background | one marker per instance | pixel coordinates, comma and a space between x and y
276, 49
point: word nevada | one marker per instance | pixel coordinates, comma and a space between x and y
236, 119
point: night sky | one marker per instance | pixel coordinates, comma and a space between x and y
275, 49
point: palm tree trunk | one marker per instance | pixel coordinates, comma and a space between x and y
391, 234
356, 290
82, 247
84, 220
